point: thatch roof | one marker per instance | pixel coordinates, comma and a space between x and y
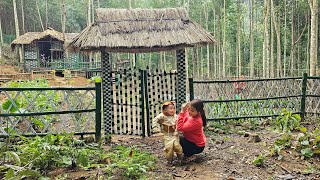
30, 37
141, 30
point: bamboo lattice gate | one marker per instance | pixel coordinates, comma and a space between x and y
137, 97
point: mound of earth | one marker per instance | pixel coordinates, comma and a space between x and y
9, 69
74, 82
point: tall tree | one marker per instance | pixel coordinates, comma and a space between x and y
22, 16
314, 36
206, 15
1, 39
266, 49
251, 38
46, 14
39, 14
292, 39
16, 22
224, 49
277, 29
239, 67
89, 13
64, 20
285, 40
271, 65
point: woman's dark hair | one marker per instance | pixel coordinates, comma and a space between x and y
198, 105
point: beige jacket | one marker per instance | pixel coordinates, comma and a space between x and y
164, 124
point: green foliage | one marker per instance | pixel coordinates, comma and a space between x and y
132, 162
285, 141
10, 106
287, 121
307, 152
259, 161
306, 143
40, 154
33, 157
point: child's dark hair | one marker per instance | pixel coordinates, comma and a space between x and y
166, 104
198, 105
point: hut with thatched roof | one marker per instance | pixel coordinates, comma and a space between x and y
46, 50
136, 31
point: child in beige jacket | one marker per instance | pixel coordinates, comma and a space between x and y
165, 123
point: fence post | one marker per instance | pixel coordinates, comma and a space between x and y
98, 111
145, 82
191, 89
303, 97
142, 102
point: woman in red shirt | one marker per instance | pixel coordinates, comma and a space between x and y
191, 121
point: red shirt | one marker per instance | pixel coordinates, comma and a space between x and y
192, 129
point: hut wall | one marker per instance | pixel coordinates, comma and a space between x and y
31, 56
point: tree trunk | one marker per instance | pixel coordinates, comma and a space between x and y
39, 14
214, 54
16, 22
266, 41
239, 41
46, 14
292, 40
22, 14
1, 39
271, 70
285, 41
314, 36
92, 11
89, 13
251, 39
224, 41
64, 19
206, 15
307, 67
277, 29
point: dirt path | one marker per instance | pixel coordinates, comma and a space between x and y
228, 156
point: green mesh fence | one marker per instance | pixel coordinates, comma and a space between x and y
39, 111
241, 99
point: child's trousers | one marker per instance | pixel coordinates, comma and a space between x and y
171, 145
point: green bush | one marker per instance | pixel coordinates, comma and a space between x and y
287, 121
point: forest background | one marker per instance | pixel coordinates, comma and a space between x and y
254, 38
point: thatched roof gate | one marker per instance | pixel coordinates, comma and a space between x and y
136, 31
141, 30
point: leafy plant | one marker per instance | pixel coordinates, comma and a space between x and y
307, 152
285, 141
287, 121
259, 161
131, 162
10, 106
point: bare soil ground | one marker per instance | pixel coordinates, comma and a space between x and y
230, 156
226, 156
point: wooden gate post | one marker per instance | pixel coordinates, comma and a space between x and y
303, 97
181, 80
107, 91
